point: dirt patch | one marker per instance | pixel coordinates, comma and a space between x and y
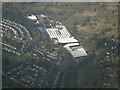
88, 13
79, 27
112, 6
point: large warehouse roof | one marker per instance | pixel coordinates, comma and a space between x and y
56, 33
71, 44
76, 52
32, 17
67, 40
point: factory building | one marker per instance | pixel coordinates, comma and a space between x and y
32, 17
63, 36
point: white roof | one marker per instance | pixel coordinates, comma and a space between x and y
77, 52
64, 36
53, 33
32, 17
71, 44
67, 40
42, 15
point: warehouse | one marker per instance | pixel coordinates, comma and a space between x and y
56, 33
62, 35
67, 40
32, 17
77, 51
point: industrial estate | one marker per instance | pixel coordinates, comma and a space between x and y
59, 45
60, 34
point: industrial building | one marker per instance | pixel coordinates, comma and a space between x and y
60, 34
32, 17
75, 49
63, 36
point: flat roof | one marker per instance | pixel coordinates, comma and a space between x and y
63, 35
71, 44
67, 40
78, 52
33, 17
53, 33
